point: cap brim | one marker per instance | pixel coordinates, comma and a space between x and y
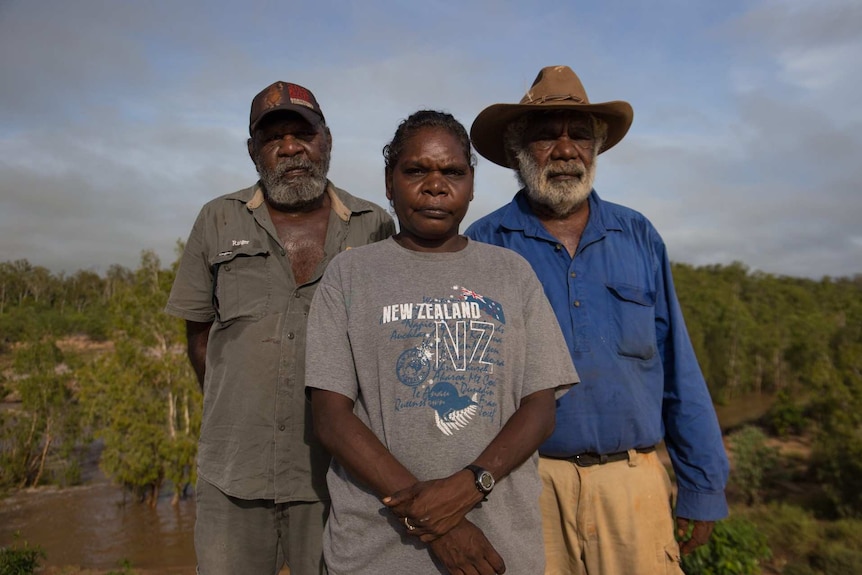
489, 127
308, 114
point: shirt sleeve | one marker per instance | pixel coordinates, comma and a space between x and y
692, 433
329, 360
192, 292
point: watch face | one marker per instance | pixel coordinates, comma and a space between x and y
486, 481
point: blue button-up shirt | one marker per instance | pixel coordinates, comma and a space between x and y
640, 380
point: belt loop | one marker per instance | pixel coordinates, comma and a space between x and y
633, 457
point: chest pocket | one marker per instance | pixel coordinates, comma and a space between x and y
243, 284
632, 317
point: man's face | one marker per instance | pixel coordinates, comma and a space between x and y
557, 160
292, 158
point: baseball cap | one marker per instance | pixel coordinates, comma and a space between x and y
284, 96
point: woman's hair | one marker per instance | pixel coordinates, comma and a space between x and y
426, 119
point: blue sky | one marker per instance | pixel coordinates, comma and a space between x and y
118, 120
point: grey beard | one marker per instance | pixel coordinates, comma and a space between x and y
560, 198
295, 192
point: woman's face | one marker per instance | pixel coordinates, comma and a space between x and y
431, 188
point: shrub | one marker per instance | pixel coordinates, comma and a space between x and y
20, 560
836, 559
753, 461
786, 417
735, 548
789, 529
837, 461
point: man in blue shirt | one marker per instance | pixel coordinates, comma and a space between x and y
607, 499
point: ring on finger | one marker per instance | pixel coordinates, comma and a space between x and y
408, 525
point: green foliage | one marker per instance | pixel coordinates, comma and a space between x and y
837, 462
804, 545
46, 425
20, 559
788, 528
142, 399
787, 417
736, 548
753, 461
837, 559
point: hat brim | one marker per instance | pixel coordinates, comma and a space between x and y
308, 115
489, 127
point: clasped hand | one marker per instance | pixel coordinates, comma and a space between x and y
433, 508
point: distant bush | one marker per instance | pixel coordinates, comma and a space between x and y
790, 529
837, 462
20, 560
787, 417
736, 548
753, 461
837, 559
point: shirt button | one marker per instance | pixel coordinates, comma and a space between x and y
296, 294
227, 268
290, 335
281, 427
577, 303
573, 274
558, 247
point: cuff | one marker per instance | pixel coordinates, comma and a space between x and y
701, 506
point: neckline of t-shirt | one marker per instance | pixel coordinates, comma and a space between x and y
433, 256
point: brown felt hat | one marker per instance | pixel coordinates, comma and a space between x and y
555, 88
284, 96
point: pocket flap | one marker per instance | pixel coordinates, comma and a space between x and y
236, 252
633, 294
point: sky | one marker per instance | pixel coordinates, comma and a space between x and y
120, 119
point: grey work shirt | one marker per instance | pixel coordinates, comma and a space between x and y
256, 440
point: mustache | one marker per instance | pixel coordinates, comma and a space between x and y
286, 164
565, 167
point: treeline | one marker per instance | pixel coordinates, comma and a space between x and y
136, 394
754, 333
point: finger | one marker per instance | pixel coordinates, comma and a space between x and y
701, 533
394, 500
496, 562
485, 567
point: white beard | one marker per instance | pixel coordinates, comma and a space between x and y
295, 192
561, 198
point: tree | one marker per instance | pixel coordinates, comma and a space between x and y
47, 421
143, 399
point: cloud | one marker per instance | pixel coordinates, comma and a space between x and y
118, 120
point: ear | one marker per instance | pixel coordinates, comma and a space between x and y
472, 177
250, 145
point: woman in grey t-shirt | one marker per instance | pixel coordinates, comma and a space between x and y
433, 365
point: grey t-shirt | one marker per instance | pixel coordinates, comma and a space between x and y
437, 350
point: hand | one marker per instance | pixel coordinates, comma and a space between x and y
435, 507
465, 550
699, 534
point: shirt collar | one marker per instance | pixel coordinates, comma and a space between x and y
519, 217
342, 204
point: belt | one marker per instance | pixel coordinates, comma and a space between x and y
588, 459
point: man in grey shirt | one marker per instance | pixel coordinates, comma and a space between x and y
244, 286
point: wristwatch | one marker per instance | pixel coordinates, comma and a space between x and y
484, 480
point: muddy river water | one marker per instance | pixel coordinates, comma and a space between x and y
94, 527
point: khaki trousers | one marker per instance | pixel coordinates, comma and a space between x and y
610, 519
